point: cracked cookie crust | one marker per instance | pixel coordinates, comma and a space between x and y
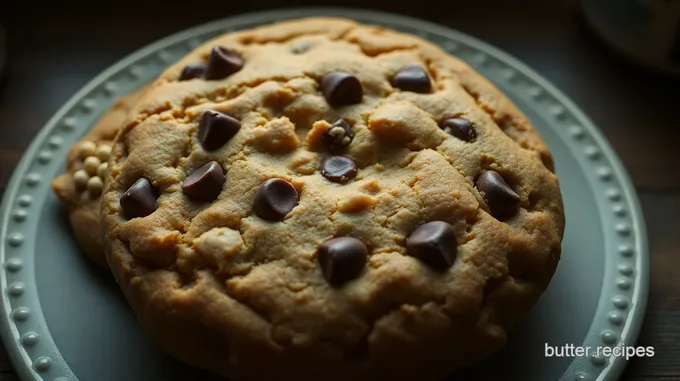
319, 198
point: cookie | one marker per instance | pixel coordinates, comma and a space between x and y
79, 188
319, 199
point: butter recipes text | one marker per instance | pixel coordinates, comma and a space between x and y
571, 350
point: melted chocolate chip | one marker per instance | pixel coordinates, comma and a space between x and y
338, 136
205, 183
192, 71
412, 78
222, 63
342, 259
460, 128
338, 169
341, 89
274, 199
501, 198
139, 200
434, 243
215, 129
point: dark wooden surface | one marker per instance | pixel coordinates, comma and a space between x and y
55, 48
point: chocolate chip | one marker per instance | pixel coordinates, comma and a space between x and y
502, 200
460, 128
412, 78
342, 259
139, 200
222, 63
215, 129
205, 183
338, 169
341, 89
192, 71
338, 136
274, 199
433, 243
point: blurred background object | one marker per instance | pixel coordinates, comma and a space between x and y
647, 31
3, 51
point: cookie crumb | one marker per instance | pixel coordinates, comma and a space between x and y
103, 152
91, 164
101, 170
80, 179
371, 186
356, 203
87, 149
316, 134
95, 185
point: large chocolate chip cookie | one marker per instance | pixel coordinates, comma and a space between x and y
319, 199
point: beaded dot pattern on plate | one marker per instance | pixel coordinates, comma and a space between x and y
44, 157
55, 142
42, 364
13, 265
29, 339
15, 289
145, 65
598, 360
20, 215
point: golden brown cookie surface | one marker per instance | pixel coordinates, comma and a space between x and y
79, 188
322, 199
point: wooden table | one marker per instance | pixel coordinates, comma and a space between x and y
55, 48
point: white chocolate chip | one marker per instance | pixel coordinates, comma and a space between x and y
95, 185
91, 164
101, 170
337, 132
87, 149
80, 179
103, 152
339, 135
